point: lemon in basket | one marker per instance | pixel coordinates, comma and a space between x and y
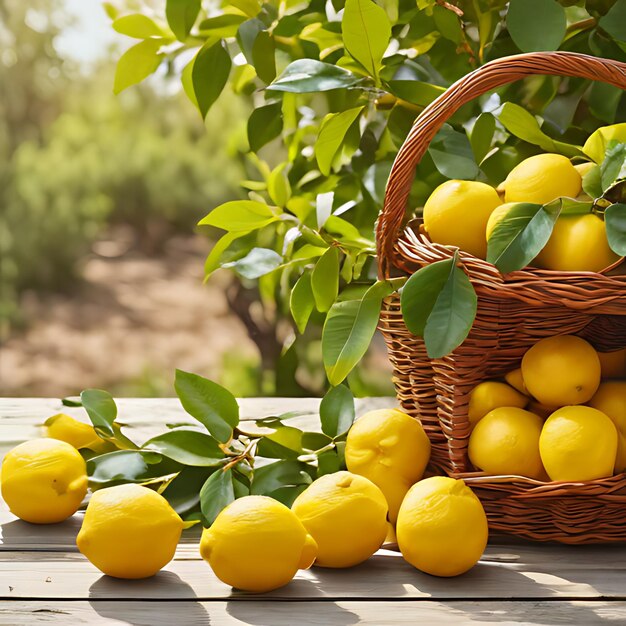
129, 531
578, 244
578, 443
456, 214
391, 449
506, 442
516, 380
346, 514
43, 480
611, 400
561, 370
541, 179
490, 395
442, 527
257, 544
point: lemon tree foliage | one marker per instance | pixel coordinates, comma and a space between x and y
335, 87
214, 457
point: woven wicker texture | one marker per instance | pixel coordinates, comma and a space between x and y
514, 312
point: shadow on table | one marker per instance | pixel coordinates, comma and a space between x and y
20, 535
147, 613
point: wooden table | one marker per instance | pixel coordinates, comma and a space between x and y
44, 580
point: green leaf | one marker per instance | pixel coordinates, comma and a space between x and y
278, 186
332, 133
216, 494
452, 154
309, 75
615, 220
614, 165
415, 91
225, 25
284, 443
219, 247
187, 446
328, 462
279, 474
240, 216
287, 495
71, 402
181, 16
448, 24
264, 57
302, 302
614, 21
520, 236
101, 409
325, 279
596, 146
138, 26
209, 75
592, 182
127, 466
337, 411
212, 405
249, 7
183, 492
257, 263
536, 25
137, 63
523, 124
348, 331
439, 304
264, 124
315, 441
482, 135
366, 30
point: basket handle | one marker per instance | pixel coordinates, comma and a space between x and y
487, 77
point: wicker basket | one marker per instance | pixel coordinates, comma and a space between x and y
514, 312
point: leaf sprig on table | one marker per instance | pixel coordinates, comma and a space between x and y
202, 467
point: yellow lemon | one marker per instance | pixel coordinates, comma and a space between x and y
257, 544
490, 395
578, 443
391, 449
77, 434
497, 216
442, 527
516, 380
506, 441
611, 400
541, 179
44, 480
456, 214
613, 364
346, 514
129, 531
595, 146
584, 168
578, 244
561, 370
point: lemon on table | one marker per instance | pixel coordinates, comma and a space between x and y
490, 395
613, 364
578, 443
129, 531
516, 380
456, 214
391, 449
43, 480
506, 441
578, 243
70, 430
257, 544
442, 527
346, 514
611, 400
541, 179
561, 370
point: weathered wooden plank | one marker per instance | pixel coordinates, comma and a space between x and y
504, 573
343, 613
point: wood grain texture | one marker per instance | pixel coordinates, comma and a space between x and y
343, 613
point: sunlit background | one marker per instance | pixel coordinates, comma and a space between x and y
101, 265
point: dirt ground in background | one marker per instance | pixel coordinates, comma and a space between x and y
126, 328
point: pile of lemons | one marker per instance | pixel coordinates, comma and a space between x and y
465, 213
256, 543
561, 416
